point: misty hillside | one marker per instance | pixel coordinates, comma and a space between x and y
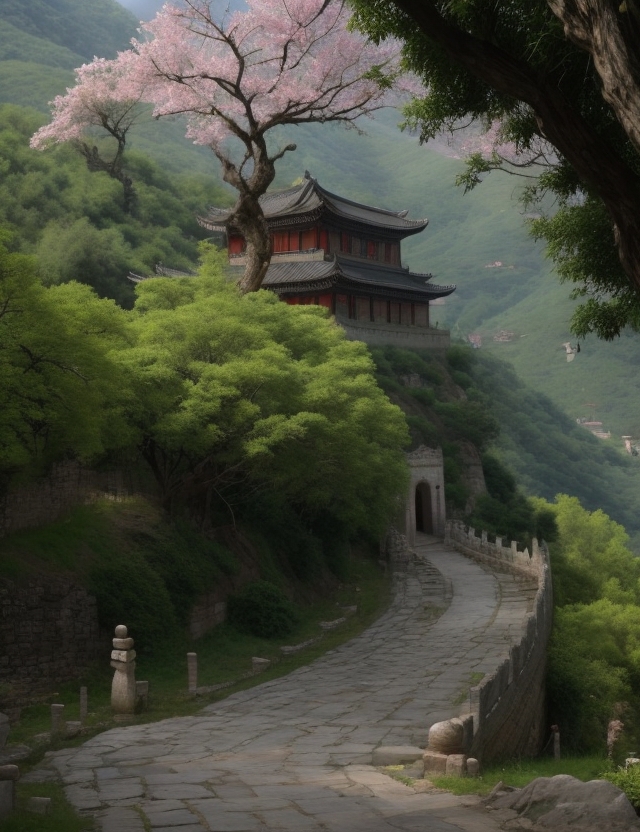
466, 238
93, 27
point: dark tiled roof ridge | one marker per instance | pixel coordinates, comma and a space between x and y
401, 215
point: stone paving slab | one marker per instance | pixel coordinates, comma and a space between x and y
295, 753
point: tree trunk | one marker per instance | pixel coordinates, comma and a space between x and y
611, 37
595, 160
247, 215
114, 169
249, 218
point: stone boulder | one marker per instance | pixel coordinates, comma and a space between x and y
447, 737
565, 804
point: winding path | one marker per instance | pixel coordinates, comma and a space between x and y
294, 754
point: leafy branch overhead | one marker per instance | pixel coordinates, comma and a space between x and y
562, 73
235, 76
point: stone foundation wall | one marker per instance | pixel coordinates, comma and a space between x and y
48, 634
68, 484
508, 707
407, 337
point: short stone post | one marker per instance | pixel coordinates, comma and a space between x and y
84, 705
556, 742
39, 805
56, 720
123, 687
142, 696
4, 729
258, 665
9, 775
473, 767
192, 671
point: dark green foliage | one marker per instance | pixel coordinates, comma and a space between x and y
301, 546
461, 358
129, 590
186, 562
582, 694
423, 394
263, 610
457, 493
470, 421
546, 525
74, 220
514, 520
394, 361
426, 432
500, 482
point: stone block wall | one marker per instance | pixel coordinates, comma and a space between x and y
407, 337
68, 484
48, 634
508, 706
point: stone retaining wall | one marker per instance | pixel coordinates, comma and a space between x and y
407, 337
48, 634
508, 706
68, 484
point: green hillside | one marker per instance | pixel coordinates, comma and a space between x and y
92, 27
467, 234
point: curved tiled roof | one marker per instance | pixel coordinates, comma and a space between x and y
309, 198
311, 275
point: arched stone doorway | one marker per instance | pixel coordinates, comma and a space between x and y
424, 508
424, 511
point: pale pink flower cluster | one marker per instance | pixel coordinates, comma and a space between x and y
95, 101
488, 143
280, 62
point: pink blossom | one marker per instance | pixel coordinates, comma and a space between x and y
281, 62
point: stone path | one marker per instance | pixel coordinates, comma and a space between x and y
294, 754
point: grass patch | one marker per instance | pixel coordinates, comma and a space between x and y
519, 773
61, 818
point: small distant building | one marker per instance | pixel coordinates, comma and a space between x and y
346, 256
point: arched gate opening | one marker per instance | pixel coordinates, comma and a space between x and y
424, 511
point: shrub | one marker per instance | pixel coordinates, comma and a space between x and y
627, 779
262, 610
129, 591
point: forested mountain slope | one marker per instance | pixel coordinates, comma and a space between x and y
466, 237
92, 27
473, 405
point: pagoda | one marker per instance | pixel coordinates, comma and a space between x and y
333, 252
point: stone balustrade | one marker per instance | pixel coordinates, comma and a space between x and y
508, 705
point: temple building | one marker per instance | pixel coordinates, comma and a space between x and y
343, 255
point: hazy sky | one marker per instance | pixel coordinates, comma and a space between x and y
143, 9
146, 9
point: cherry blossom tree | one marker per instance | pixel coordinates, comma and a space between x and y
95, 102
235, 77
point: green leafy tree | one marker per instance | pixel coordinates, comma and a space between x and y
562, 79
235, 394
594, 652
60, 390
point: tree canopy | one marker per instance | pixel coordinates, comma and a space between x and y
60, 387
594, 653
236, 76
565, 94
234, 394
224, 396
